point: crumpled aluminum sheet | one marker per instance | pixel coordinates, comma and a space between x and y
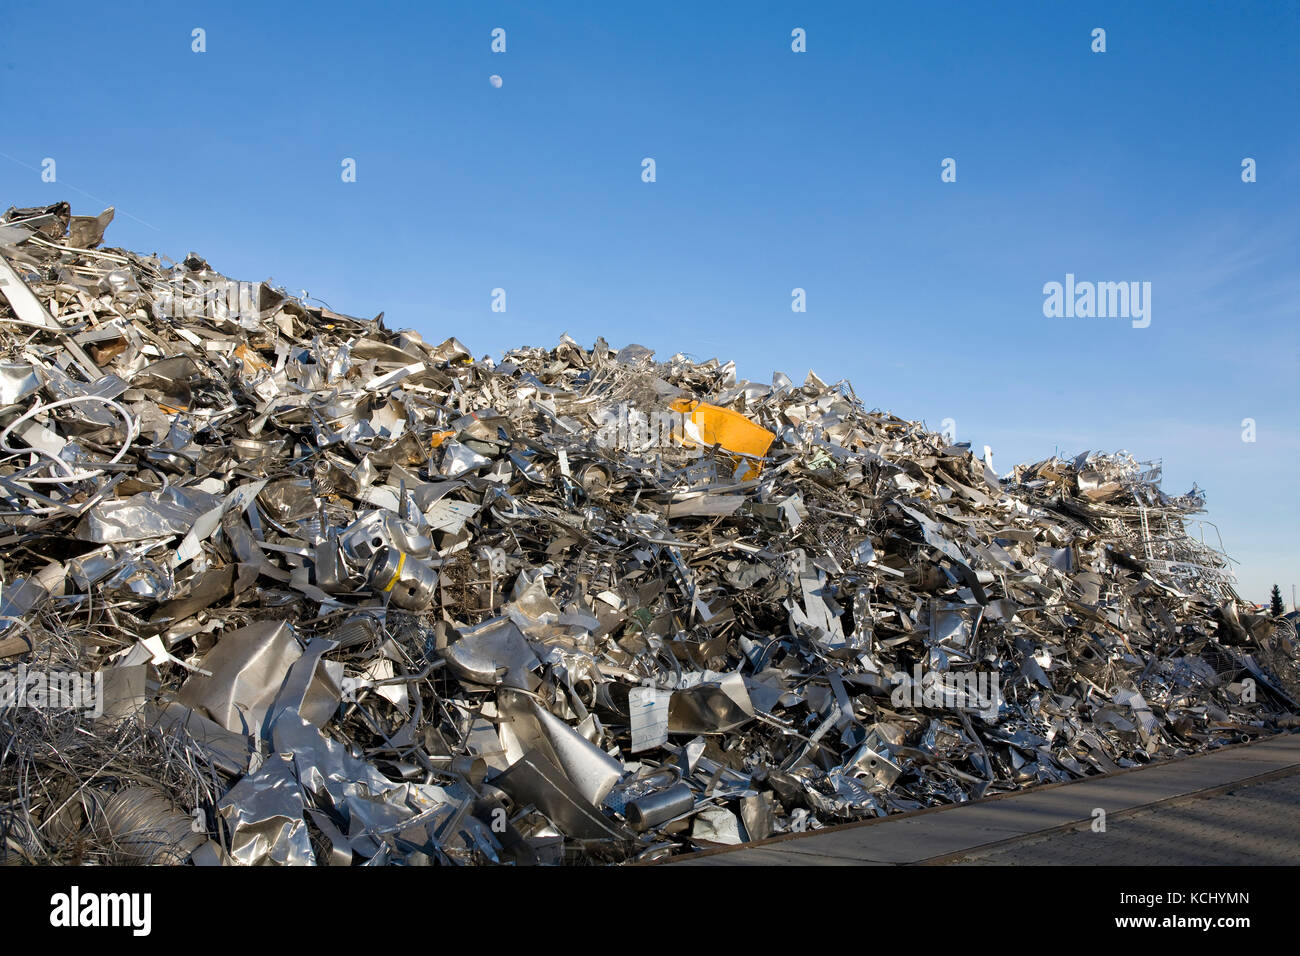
151, 514
247, 668
415, 608
17, 381
265, 814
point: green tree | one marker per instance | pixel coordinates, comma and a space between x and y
1276, 607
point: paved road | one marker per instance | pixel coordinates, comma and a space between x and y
1250, 824
1235, 805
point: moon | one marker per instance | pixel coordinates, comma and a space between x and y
495, 81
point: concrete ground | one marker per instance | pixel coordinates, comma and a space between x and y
1250, 824
1237, 805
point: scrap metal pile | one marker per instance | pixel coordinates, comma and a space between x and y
348, 597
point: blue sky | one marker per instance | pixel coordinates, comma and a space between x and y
775, 170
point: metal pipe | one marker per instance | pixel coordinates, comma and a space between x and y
659, 807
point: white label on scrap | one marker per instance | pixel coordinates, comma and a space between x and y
649, 712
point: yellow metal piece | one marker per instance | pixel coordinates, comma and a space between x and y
729, 430
401, 562
252, 361
437, 438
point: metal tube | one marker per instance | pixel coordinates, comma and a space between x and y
659, 807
